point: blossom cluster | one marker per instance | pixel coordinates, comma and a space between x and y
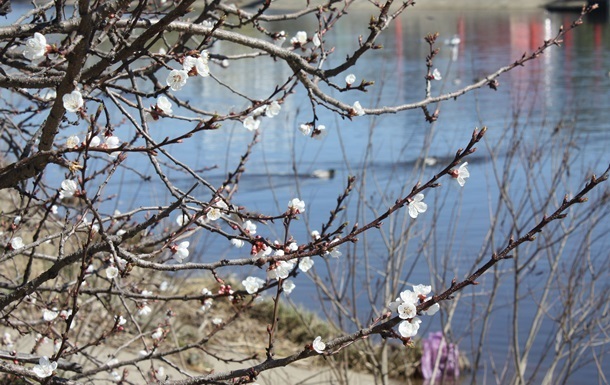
191, 65
406, 307
252, 122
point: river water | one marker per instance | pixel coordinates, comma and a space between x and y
556, 102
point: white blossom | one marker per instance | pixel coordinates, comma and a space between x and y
7, 340
177, 79
120, 320
318, 345
288, 286
357, 109
461, 174
409, 328
315, 234
207, 304
217, 321
182, 219
350, 79
292, 246
281, 270
237, 243
409, 296
436, 74
93, 142
112, 142
305, 264
432, 310
273, 109
182, 251
249, 227
45, 367
423, 290
189, 63
72, 141
417, 206
68, 189
214, 214
164, 105
252, 284
316, 40
297, 205
17, 243
299, 38
306, 129
157, 334
216, 211
201, 65
407, 310
333, 251
112, 272
251, 123
319, 132
49, 315
144, 310
35, 47
73, 101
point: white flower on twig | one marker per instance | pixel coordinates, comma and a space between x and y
417, 206
49, 315
252, 284
73, 101
350, 79
181, 251
164, 105
297, 206
273, 109
319, 132
17, 243
68, 189
300, 38
144, 310
216, 211
357, 109
72, 141
177, 79
45, 367
305, 264
239, 243
436, 74
249, 227
35, 47
461, 174
157, 334
112, 272
318, 345
409, 328
288, 286
251, 123
306, 129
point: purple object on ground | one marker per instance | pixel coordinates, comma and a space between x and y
448, 365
